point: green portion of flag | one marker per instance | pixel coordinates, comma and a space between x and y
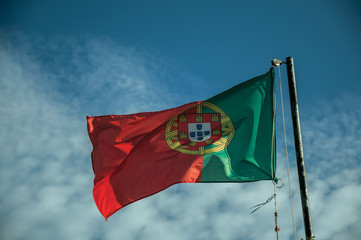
251, 154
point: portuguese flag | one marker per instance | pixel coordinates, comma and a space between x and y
227, 138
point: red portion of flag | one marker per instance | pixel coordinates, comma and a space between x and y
132, 160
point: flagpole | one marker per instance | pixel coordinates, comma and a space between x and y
299, 149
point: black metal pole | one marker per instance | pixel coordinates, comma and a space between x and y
299, 149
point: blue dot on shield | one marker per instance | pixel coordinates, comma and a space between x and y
199, 126
200, 134
207, 133
192, 134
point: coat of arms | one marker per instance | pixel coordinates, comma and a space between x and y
200, 130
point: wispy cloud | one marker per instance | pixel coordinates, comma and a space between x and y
44, 170
47, 88
332, 138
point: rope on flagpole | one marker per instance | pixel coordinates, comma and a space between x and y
284, 133
274, 181
277, 64
277, 228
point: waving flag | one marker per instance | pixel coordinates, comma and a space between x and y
227, 138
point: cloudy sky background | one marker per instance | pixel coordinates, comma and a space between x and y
60, 62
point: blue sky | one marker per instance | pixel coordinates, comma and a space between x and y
63, 60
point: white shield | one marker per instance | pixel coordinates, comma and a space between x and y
199, 132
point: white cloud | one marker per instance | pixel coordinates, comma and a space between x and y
46, 90
332, 137
44, 169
